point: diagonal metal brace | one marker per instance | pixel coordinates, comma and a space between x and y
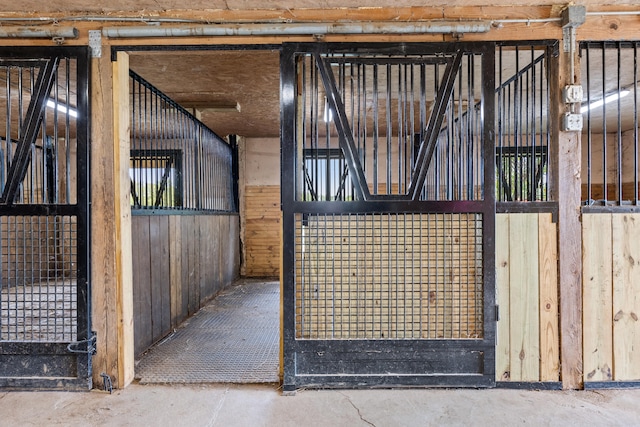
347, 144
29, 131
428, 143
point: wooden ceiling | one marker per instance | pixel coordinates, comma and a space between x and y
212, 79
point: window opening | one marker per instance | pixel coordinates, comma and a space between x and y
156, 179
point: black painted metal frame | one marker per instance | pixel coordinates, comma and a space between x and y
54, 365
442, 362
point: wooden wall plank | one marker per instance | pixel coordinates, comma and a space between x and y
203, 246
143, 316
503, 370
597, 296
193, 275
626, 296
261, 235
156, 261
139, 256
523, 301
548, 276
175, 266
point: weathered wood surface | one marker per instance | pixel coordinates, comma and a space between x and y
179, 263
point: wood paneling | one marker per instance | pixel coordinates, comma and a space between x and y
626, 296
597, 297
526, 284
629, 191
503, 357
262, 230
611, 251
179, 263
548, 277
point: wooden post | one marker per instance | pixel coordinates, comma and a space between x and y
565, 189
111, 276
122, 188
103, 265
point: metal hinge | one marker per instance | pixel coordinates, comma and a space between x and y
87, 346
497, 313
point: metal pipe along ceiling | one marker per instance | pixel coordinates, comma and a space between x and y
38, 32
435, 27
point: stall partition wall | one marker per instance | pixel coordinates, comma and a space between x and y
610, 219
185, 226
45, 326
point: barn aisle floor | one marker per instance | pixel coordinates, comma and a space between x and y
244, 405
233, 339
178, 386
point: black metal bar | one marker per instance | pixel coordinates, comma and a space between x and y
344, 129
428, 144
604, 385
533, 385
29, 131
288, 195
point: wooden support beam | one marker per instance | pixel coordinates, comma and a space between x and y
122, 186
565, 189
103, 256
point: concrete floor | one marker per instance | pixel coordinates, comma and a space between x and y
231, 405
252, 405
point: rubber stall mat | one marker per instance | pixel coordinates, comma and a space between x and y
234, 339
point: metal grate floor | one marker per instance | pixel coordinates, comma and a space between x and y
234, 339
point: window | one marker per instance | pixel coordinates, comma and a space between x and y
326, 176
521, 174
156, 179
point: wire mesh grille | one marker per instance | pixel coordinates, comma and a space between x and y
38, 267
388, 276
176, 161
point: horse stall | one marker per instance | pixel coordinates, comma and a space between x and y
185, 223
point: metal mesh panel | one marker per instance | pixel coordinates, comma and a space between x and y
381, 276
38, 268
176, 161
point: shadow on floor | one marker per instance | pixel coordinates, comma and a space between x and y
233, 339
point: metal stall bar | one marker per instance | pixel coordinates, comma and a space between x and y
611, 71
177, 163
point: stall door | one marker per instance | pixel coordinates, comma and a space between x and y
388, 215
45, 333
